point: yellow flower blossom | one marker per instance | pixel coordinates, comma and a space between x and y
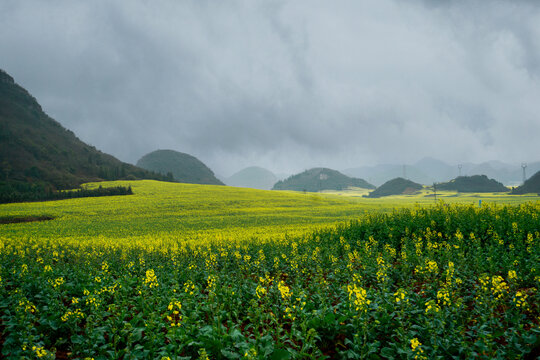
260, 291
174, 316
39, 351
416, 347
520, 300
358, 297
151, 279
76, 314
284, 290
400, 295
432, 307
443, 297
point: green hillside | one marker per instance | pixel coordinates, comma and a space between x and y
184, 168
397, 186
253, 177
475, 183
317, 179
532, 185
39, 154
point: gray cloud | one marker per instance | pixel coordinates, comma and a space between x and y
285, 84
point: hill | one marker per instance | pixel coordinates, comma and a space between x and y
532, 185
436, 169
37, 152
429, 170
253, 177
397, 186
381, 173
317, 179
475, 183
184, 168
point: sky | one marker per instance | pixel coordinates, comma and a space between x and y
286, 85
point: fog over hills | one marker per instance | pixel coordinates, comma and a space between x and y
428, 170
253, 177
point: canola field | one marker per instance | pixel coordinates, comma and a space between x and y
181, 271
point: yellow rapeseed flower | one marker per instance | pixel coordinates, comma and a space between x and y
400, 295
284, 290
416, 345
151, 279
432, 307
40, 351
358, 297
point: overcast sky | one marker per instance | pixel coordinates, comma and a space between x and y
286, 85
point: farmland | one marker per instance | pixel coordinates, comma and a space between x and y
189, 271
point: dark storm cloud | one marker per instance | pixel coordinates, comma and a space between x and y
285, 84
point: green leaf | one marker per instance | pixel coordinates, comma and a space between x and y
236, 335
280, 354
388, 352
229, 354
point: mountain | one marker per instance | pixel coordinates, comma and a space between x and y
184, 168
475, 183
379, 174
532, 185
532, 168
508, 174
317, 179
437, 170
36, 151
282, 176
253, 177
429, 170
397, 186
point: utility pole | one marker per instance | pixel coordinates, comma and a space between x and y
459, 167
524, 166
435, 191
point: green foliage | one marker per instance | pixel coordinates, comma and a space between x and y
317, 179
397, 186
18, 191
182, 167
473, 184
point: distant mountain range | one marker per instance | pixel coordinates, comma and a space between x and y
318, 179
178, 167
253, 177
429, 170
